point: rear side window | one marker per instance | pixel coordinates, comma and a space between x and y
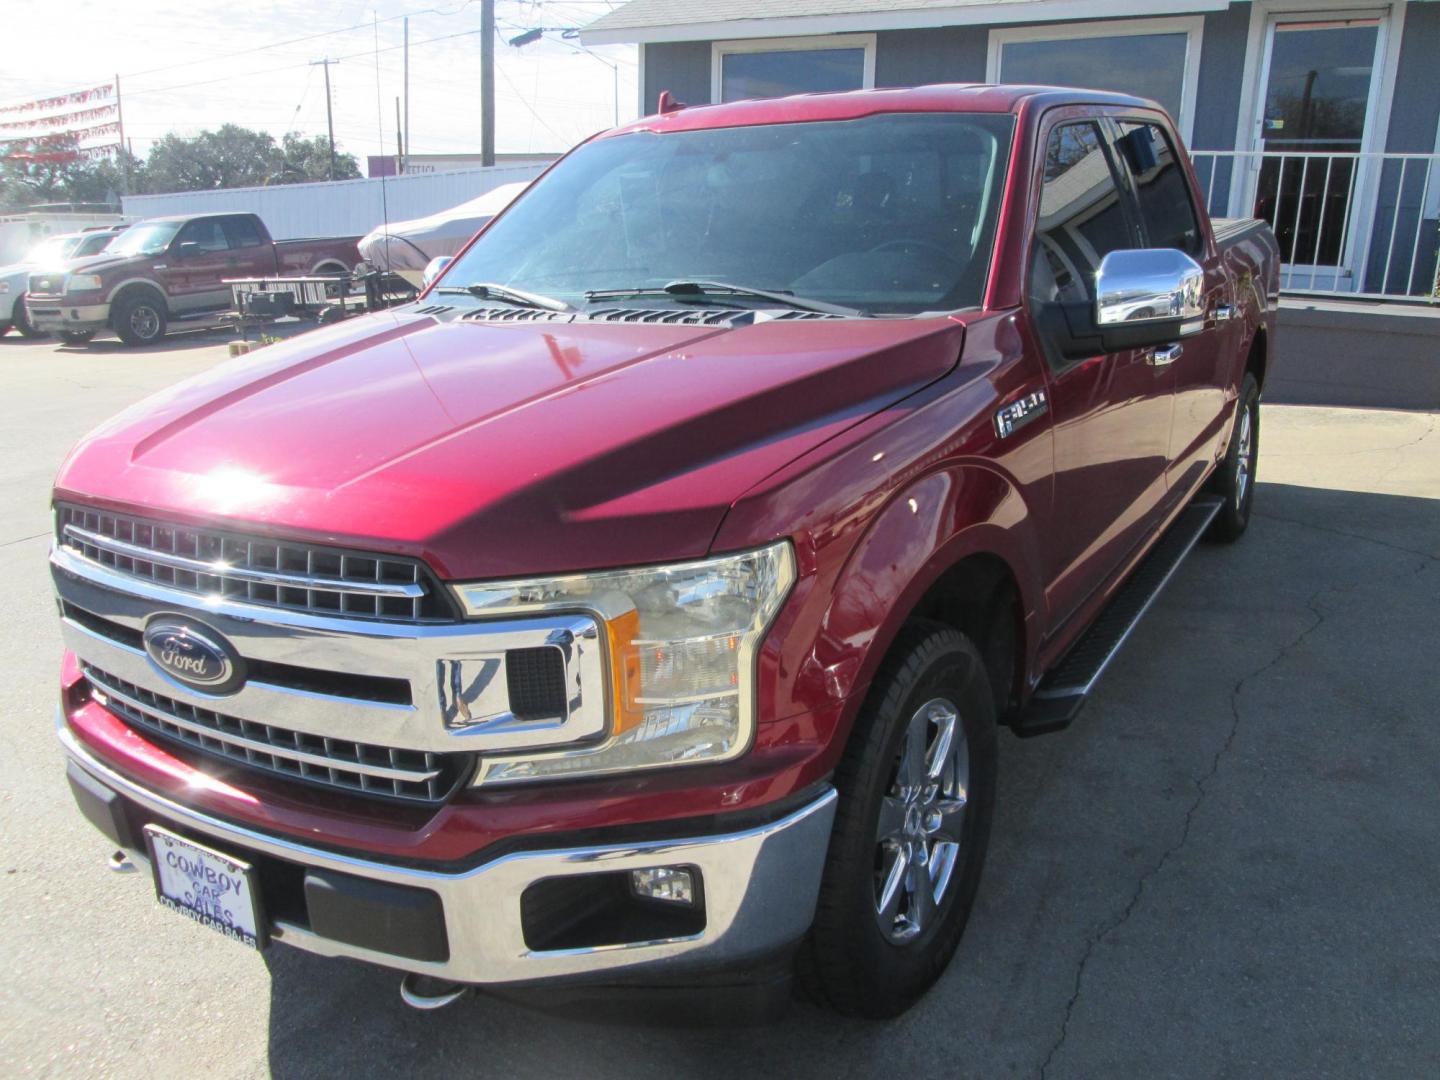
1081, 217
1166, 209
243, 233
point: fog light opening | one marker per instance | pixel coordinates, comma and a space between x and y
670, 884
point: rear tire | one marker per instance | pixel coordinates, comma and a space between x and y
21, 318
140, 319
1234, 480
76, 337
917, 792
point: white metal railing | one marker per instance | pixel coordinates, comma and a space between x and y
1348, 224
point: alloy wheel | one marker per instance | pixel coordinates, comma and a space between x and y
1243, 460
918, 836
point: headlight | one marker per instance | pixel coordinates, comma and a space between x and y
82, 283
681, 643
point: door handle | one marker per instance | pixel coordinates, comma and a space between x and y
1224, 313
1166, 356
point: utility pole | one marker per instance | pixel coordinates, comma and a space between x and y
399, 143
487, 82
405, 142
124, 154
329, 109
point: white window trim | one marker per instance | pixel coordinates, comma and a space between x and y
1192, 26
721, 49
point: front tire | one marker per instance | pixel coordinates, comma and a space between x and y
1234, 480
140, 319
21, 318
917, 791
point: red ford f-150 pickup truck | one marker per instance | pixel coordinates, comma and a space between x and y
639, 607
170, 268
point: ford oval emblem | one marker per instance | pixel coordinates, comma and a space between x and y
193, 655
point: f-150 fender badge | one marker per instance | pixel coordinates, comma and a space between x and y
1011, 418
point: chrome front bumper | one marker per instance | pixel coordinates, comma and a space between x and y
760, 889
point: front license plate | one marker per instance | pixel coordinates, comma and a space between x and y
202, 884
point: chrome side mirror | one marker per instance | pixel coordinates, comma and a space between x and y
1150, 286
434, 268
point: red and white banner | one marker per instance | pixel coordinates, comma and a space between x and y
67, 120
61, 138
105, 92
57, 157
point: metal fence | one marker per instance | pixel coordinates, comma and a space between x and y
340, 207
1349, 224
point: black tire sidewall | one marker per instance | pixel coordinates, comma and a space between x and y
20, 318
1232, 519
860, 970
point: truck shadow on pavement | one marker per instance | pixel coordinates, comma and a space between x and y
1173, 884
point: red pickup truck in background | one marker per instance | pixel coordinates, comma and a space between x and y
172, 268
639, 607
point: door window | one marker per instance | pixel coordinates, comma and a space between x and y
1081, 217
1161, 191
207, 232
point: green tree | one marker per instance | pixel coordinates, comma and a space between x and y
232, 156
305, 159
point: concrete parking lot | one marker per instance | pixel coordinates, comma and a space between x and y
1230, 866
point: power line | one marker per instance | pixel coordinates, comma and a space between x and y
288, 67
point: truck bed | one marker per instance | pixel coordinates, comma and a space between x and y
1230, 231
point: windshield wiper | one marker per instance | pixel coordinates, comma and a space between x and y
700, 289
486, 291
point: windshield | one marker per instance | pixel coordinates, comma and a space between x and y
890, 214
147, 238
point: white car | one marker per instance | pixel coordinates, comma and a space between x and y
49, 253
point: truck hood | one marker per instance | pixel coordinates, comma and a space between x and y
101, 263
495, 449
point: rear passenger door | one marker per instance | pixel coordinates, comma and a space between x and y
1201, 370
251, 253
1111, 410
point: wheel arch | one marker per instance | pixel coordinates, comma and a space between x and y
131, 287
1257, 360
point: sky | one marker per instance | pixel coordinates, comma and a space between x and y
185, 67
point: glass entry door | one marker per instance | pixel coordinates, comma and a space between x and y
1318, 91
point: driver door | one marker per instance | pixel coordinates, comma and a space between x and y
1111, 410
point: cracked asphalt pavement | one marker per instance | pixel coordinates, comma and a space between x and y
1229, 866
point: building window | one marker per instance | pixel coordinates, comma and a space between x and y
1151, 58
774, 68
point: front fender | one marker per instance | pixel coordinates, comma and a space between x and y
928, 527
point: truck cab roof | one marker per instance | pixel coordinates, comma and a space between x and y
853, 104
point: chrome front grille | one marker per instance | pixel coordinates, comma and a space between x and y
412, 775
254, 570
